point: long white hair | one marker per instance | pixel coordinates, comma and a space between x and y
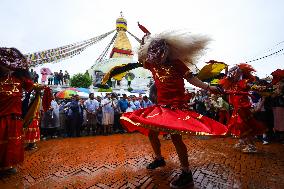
184, 46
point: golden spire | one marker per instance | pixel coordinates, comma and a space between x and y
122, 47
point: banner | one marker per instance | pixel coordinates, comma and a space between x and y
64, 52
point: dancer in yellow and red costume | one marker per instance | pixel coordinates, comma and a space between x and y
170, 57
31, 120
242, 123
32, 133
14, 79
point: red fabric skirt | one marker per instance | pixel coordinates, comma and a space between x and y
173, 121
32, 132
243, 124
11, 141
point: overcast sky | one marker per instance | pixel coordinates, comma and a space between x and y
241, 30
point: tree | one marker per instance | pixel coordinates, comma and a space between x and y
81, 80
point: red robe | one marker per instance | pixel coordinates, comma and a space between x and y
11, 127
242, 123
171, 114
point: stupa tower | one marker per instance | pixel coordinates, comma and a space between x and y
122, 47
121, 52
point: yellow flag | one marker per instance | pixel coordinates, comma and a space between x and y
211, 70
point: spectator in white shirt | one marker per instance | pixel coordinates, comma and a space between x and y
91, 106
108, 114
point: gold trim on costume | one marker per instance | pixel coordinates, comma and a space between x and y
163, 73
186, 118
15, 138
32, 141
13, 87
199, 117
31, 129
129, 120
161, 129
150, 116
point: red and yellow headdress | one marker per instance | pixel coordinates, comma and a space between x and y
278, 75
247, 71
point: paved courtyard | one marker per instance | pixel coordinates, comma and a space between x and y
119, 161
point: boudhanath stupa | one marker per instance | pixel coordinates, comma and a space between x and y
121, 53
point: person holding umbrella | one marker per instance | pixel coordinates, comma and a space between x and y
44, 73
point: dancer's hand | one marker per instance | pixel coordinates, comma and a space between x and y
215, 90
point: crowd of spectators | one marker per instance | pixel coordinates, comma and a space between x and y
56, 78
100, 115
93, 116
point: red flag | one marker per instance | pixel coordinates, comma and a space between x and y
143, 29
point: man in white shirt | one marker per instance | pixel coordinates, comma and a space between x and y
108, 106
91, 106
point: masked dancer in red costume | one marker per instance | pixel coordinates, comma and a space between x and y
242, 123
14, 77
170, 57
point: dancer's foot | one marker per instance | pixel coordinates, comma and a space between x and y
240, 145
265, 142
9, 171
184, 180
167, 137
156, 163
31, 146
249, 149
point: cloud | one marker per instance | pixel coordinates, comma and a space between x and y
241, 29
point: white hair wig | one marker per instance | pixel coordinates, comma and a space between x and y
184, 46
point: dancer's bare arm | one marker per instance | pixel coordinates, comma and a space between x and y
198, 83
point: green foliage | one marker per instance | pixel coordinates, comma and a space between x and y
87, 73
81, 80
130, 89
105, 90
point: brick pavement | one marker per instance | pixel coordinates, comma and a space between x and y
119, 161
